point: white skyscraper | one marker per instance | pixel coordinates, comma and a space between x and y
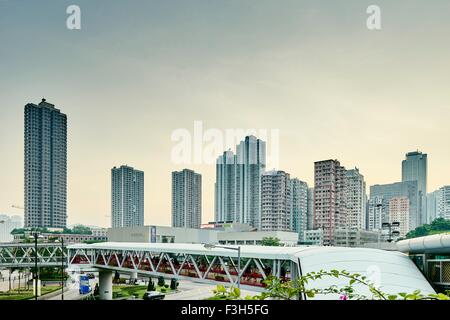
186, 199
226, 192
238, 182
356, 199
45, 157
127, 197
275, 201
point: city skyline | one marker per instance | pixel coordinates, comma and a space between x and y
294, 68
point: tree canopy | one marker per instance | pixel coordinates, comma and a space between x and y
439, 225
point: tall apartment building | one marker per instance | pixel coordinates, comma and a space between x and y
432, 205
380, 195
299, 207
356, 199
238, 183
226, 188
414, 168
330, 207
186, 199
399, 212
127, 197
438, 203
443, 204
45, 156
275, 201
377, 213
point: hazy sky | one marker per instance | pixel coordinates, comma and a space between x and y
138, 70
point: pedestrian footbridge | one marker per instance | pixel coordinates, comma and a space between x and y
394, 272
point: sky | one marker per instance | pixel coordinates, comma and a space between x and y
138, 71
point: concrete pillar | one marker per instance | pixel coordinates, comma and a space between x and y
105, 284
133, 276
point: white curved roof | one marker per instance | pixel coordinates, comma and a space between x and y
438, 243
392, 271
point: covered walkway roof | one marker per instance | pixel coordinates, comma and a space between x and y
437, 243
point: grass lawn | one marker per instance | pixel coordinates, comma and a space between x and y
26, 294
124, 291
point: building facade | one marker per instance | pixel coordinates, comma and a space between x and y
399, 212
356, 199
226, 192
414, 168
8, 224
45, 156
310, 213
186, 199
330, 207
127, 197
438, 204
299, 207
380, 195
238, 182
275, 201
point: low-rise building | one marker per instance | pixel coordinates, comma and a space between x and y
313, 237
286, 238
355, 237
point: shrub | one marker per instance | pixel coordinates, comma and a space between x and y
161, 281
151, 285
163, 289
173, 284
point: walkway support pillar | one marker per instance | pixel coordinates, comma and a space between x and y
133, 276
105, 278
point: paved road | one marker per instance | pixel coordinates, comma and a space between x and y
198, 291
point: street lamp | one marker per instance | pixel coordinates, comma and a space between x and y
36, 235
238, 249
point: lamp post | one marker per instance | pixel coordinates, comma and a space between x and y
62, 267
389, 227
238, 249
36, 276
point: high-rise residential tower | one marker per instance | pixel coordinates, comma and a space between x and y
414, 168
275, 201
251, 164
356, 200
186, 199
127, 197
238, 182
438, 203
330, 207
299, 207
226, 193
45, 166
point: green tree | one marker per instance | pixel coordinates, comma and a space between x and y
271, 241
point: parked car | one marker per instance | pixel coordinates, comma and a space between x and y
153, 295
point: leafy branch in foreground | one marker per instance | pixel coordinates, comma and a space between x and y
293, 289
